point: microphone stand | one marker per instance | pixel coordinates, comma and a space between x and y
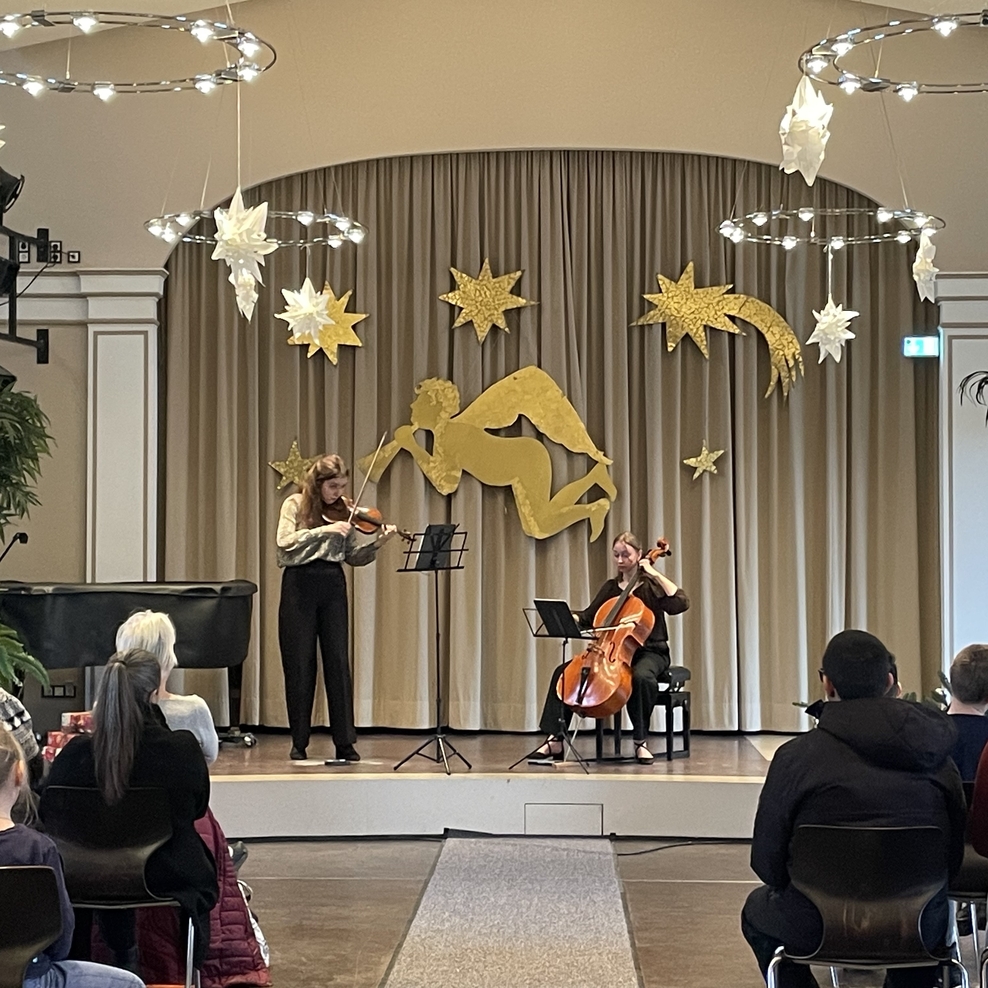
19, 537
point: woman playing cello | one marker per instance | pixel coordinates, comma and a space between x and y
661, 596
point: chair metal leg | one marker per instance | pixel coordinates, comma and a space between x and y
190, 972
954, 933
835, 980
772, 974
975, 938
963, 972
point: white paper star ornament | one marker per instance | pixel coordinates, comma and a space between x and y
241, 242
924, 273
831, 330
804, 131
306, 313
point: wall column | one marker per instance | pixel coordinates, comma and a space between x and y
963, 302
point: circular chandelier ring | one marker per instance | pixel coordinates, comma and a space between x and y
252, 55
822, 62
788, 228
171, 227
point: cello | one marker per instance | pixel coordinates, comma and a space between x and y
597, 683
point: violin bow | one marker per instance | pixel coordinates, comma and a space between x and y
367, 475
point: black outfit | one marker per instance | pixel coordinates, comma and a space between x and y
314, 608
649, 662
183, 868
872, 763
972, 736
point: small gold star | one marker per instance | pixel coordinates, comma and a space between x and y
484, 299
703, 461
294, 469
337, 333
686, 310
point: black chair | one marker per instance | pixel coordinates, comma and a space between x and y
105, 848
870, 886
30, 918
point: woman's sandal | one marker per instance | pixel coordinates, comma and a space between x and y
552, 747
644, 756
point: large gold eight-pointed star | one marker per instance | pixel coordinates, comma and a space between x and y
484, 299
335, 334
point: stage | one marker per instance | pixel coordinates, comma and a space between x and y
260, 792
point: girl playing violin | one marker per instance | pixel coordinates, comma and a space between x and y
315, 537
661, 596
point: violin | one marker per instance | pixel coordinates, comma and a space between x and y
597, 683
365, 519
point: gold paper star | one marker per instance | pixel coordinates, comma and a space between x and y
337, 333
484, 299
294, 469
703, 461
686, 310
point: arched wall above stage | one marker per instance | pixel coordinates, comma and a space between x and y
799, 534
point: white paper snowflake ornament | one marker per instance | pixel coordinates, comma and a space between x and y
804, 131
924, 273
831, 330
241, 242
306, 313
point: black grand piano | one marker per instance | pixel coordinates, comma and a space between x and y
72, 625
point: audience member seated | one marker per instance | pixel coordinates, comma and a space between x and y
154, 632
968, 703
15, 719
19, 845
873, 761
131, 746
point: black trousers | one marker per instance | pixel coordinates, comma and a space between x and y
772, 919
646, 667
314, 607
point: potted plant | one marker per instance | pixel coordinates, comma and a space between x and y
24, 439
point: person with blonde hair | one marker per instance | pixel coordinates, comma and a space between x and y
20, 845
154, 632
314, 539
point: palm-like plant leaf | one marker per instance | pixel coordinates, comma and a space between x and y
16, 661
24, 439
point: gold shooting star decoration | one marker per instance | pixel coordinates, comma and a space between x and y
687, 310
484, 299
703, 462
293, 469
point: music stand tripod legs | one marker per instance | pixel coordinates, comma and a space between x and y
435, 553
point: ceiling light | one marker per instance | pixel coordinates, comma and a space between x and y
202, 31
850, 84
248, 45
34, 86
85, 21
884, 215
759, 219
836, 243
726, 228
788, 242
815, 64
306, 218
205, 83
842, 47
906, 90
805, 214
903, 236
104, 90
356, 233
737, 235
944, 26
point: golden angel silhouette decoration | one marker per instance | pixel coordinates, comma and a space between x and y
462, 443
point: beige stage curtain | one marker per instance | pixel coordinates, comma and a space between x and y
822, 515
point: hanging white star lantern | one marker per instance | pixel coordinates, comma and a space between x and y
804, 131
241, 242
831, 330
924, 273
306, 313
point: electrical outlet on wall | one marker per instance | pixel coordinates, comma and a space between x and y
55, 252
58, 690
23, 252
73, 256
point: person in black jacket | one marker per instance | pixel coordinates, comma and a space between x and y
132, 746
873, 761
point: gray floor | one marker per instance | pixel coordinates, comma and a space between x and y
334, 912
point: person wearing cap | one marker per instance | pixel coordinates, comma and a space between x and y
873, 761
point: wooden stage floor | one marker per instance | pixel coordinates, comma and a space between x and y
260, 792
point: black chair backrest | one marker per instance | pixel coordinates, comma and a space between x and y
30, 918
105, 848
870, 885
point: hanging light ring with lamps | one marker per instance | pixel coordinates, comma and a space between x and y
833, 227
250, 55
327, 229
822, 62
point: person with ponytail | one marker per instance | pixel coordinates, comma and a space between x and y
19, 845
131, 746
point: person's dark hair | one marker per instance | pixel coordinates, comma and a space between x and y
327, 467
858, 665
969, 674
123, 701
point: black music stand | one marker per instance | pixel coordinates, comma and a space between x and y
439, 547
555, 620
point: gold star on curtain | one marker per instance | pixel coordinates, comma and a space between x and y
703, 462
686, 310
337, 333
294, 469
484, 299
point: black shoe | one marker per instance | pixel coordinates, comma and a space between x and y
297, 754
347, 753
